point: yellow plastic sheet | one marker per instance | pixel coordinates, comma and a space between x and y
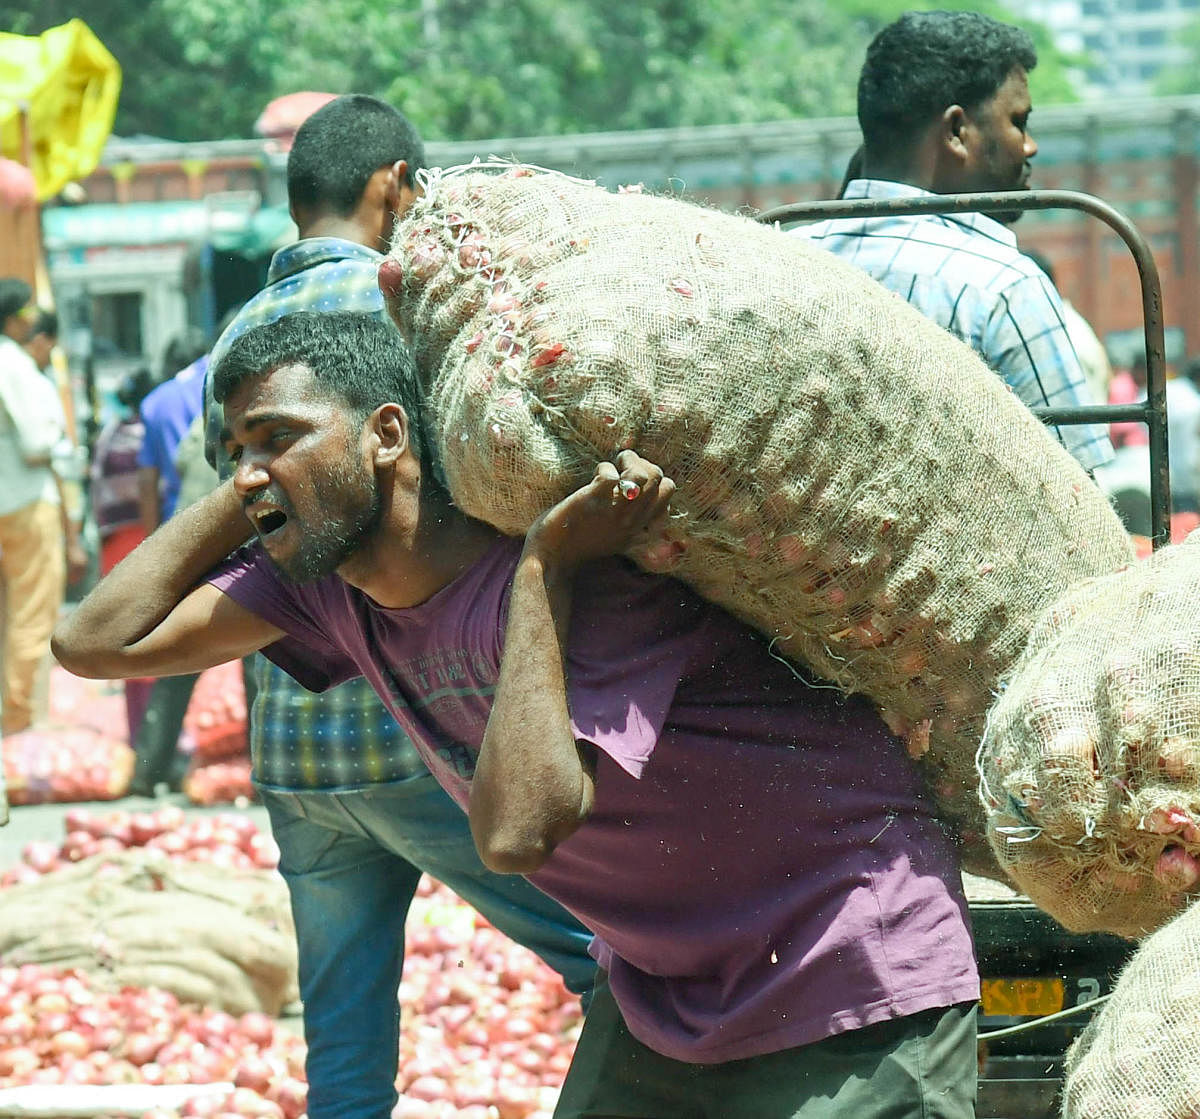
67, 82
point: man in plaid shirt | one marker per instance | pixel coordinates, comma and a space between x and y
943, 102
357, 815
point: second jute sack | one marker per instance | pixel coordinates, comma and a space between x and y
1091, 762
1137, 1057
852, 480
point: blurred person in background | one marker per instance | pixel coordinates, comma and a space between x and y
116, 508
167, 413
43, 339
32, 546
1183, 437
1128, 386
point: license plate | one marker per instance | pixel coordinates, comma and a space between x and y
1022, 998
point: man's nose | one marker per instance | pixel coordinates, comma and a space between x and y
251, 475
1030, 146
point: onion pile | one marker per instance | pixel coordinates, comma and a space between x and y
214, 732
220, 782
55, 1028
486, 1025
227, 839
66, 764
83, 755
488, 1029
216, 716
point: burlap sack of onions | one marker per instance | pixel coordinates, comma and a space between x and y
212, 935
853, 481
1137, 1057
1091, 760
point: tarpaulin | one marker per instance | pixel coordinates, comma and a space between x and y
67, 82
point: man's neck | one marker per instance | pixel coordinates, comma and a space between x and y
399, 568
907, 176
345, 229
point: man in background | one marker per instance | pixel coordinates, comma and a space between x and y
116, 510
355, 812
43, 337
943, 103
42, 341
166, 414
1183, 437
32, 555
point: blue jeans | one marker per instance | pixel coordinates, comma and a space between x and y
352, 861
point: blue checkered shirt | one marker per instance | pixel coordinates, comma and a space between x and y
965, 272
345, 737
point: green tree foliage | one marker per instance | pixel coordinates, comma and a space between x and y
1184, 77
470, 69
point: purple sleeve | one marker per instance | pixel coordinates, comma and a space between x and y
306, 654
631, 639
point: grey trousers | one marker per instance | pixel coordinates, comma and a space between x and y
923, 1066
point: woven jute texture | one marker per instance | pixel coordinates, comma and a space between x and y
852, 480
212, 935
1091, 760
1137, 1057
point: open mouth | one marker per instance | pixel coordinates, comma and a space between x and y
270, 521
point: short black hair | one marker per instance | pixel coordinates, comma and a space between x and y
135, 386
337, 150
926, 61
14, 295
359, 358
45, 323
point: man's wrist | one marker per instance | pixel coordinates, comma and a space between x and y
540, 556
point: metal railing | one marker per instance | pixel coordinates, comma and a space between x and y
1153, 411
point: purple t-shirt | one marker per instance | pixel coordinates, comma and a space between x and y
761, 868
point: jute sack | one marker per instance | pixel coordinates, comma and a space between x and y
1090, 764
1137, 1057
212, 935
852, 480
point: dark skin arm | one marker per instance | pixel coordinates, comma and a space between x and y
148, 617
533, 783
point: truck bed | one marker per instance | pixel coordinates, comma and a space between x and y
1031, 966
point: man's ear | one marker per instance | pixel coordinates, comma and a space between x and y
400, 195
953, 125
388, 432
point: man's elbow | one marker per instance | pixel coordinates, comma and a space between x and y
79, 656
513, 854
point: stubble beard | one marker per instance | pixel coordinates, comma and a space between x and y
324, 548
